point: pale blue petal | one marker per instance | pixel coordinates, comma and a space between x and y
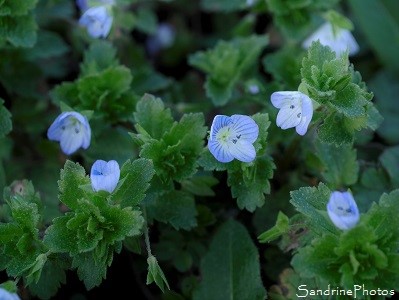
242, 150
54, 132
245, 128
104, 175
70, 141
350, 42
6, 295
218, 122
342, 210
284, 98
288, 118
221, 153
97, 21
307, 114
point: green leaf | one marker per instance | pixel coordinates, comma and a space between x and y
20, 31
152, 116
135, 177
385, 86
250, 183
226, 63
312, 202
5, 120
16, 7
390, 160
230, 269
72, 176
90, 272
281, 227
155, 274
176, 208
340, 165
52, 275
384, 38
334, 130
200, 185
100, 56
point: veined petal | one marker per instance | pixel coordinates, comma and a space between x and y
104, 175
283, 98
242, 150
219, 122
307, 114
71, 141
289, 116
245, 128
219, 151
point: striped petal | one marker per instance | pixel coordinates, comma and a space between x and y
104, 175
244, 128
242, 150
219, 151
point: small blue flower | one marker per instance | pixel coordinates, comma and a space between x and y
162, 39
6, 295
97, 21
338, 39
342, 210
296, 110
72, 130
104, 175
232, 137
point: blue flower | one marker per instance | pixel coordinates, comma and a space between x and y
232, 137
338, 39
97, 21
296, 110
342, 210
162, 39
6, 295
82, 4
104, 175
72, 130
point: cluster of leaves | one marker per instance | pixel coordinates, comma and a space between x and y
174, 148
366, 254
226, 64
103, 86
332, 82
17, 23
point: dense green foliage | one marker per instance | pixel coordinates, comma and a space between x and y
181, 222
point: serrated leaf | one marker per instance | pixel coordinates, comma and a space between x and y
176, 208
152, 116
311, 202
200, 185
136, 176
340, 165
335, 131
100, 56
226, 63
250, 183
155, 274
72, 176
52, 275
230, 269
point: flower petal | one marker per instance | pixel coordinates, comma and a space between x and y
288, 117
245, 128
283, 98
104, 175
307, 114
219, 122
242, 150
221, 153
71, 141
342, 210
